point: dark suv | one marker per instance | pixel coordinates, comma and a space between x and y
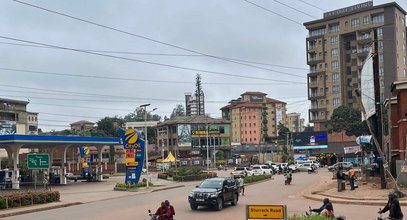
214, 192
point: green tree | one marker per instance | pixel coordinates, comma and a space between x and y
282, 131
107, 127
138, 115
347, 119
308, 128
179, 110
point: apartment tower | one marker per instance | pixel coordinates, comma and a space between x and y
337, 47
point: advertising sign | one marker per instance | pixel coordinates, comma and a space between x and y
184, 136
134, 147
279, 114
348, 10
256, 98
266, 212
310, 140
352, 150
7, 127
367, 87
205, 132
38, 161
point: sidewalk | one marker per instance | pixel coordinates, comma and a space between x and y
365, 194
76, 193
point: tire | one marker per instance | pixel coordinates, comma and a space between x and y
235, 199
193, 206
309, 172
219, 204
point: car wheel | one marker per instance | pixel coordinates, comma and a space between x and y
235, 199
193, 206
219, 204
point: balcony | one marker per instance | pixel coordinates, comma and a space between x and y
314, 60
364, 39
362, 52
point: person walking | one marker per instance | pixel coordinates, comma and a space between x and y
339, 177
393, 206
352, 177
241, 185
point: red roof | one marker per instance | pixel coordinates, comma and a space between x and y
269, 100
254, 93
82, 122
227, 106
249, 105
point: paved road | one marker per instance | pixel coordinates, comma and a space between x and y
136, 206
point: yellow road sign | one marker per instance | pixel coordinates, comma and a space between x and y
266, 211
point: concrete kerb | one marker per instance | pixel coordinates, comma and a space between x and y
33, 208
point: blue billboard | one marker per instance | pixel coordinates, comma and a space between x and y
134, 147
310, 140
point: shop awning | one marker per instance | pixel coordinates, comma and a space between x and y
170, 158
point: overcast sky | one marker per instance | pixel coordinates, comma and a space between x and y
223, 28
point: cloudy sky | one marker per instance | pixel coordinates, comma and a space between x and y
149, 51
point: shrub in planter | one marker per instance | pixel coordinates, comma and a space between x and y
3, 202
14, 201
162, 176
26, 200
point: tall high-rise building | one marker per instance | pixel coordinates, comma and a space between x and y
294, 122
254, 118
195, 103
337, 47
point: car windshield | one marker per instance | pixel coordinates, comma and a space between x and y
256, 168
265, 167
240, 168
211, 184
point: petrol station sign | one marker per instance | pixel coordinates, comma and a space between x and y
134, 148
38, 161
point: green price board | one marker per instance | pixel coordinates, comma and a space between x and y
38, 161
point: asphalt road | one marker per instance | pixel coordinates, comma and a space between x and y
269, 192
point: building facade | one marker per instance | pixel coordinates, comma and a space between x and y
194, 104
337, 47
140, 125
187, 138
254, 118
294, 122
82, 126
14, 118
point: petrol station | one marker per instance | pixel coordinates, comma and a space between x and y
48, 145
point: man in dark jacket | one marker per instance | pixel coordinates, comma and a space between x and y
339, 177
393, 206
326, 210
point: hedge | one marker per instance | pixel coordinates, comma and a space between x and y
251, 179
162, 176
310, 218
26, 199
133, 186
194, 177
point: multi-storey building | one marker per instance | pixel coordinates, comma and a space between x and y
194, 104
254, 118
82, 126
337, 47
187, 137
14, 118
294, 122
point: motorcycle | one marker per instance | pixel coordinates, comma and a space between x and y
312, 170
152, 217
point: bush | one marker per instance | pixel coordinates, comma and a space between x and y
189, 171
25, 199
310, 218
251, 179
201, 176
162, 176
3, 203
133, 186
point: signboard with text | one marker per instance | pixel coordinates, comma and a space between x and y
266, 212
310, 140
134, 148
38, 161
184, 135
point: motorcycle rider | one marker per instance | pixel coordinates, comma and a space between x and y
288, 176
163, 212
171, 209
326, 210
393, 206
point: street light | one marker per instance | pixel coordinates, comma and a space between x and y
146, 137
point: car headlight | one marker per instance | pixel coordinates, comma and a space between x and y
212, 195
191, 194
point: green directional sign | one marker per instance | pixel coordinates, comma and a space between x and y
38, 161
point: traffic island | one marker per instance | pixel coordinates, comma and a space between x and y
131, 187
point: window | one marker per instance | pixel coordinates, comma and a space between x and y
334, 65
379, 18
379, 31
380, 44
366, 20
336, 89
313, 69
317, 32
336, 101
382, 97
355, 22
334, 28
335, 77
334, 52
334, 40
381, 71
381, 58
381, 84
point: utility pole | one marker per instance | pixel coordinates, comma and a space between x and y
377, 118
207, 146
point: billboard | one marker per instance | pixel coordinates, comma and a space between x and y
256, 98
134, 147
310, 140
184, 135
367, 88
7, 127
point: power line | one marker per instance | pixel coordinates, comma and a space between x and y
149, 62
139, 36
160, 54
130, 79
295, 9
311, 5
266, 9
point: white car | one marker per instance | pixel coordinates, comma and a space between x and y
305, 166
261, 170
293, 168
242, 171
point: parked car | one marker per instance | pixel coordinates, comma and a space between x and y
317, 164
293, 168
214, 192
304, 167
261, 170
272, 165
242, 172
345, 166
